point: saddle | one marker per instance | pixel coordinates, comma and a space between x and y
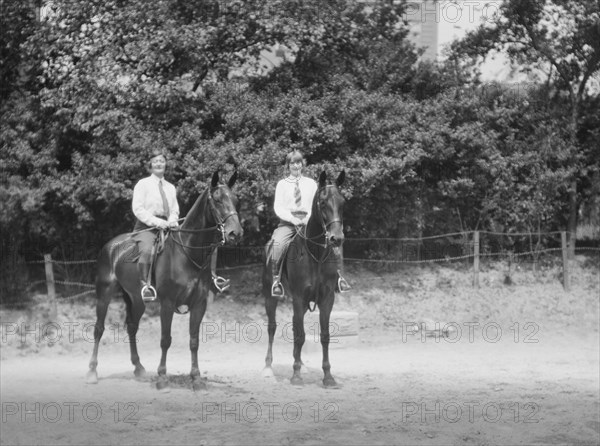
159, 244
221, 284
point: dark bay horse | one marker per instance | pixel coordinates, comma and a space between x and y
182, 273
310, 275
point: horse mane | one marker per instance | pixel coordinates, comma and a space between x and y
197, 207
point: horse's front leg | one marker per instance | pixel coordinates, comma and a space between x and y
167, 309
299, 337
324, 314
271, 309
104, 293
135, 310
196, 315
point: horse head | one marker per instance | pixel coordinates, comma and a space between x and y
330, 207
223, 203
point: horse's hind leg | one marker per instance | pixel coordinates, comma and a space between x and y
167, 308
135, 310
196, 315
104, 292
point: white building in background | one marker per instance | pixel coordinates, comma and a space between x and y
435, 24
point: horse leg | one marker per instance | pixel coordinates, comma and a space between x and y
196, 316
299, 337
271, 308
167, 309
104, 294
135, 310
324, 314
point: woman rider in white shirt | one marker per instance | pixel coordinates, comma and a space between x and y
291, 214
153, 211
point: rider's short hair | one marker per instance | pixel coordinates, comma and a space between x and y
153, 154
294, 155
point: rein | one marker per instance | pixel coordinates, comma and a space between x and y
220, 226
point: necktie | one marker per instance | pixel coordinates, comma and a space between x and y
297, 196
164, 199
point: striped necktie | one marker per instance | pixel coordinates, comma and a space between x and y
297, 195
164, 199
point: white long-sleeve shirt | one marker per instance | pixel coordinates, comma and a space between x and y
147, 203
284, 197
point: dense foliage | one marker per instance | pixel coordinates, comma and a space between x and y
90, 88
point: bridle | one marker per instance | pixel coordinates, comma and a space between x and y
325, 232
220, 226
325, 226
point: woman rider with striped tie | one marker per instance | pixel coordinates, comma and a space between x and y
293, 200
155, 206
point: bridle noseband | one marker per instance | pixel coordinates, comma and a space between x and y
325, 224
220, 226
218, 219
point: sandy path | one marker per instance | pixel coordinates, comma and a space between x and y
391, 391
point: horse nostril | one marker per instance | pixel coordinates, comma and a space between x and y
233, 235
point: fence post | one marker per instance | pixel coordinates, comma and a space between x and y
50, 285
476, 259
565, 256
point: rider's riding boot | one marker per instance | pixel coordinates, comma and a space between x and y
342, 284
148, 291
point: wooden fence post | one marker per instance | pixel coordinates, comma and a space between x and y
50, 285
565, 257
476, 259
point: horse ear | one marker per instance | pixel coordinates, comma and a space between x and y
340, 179
233, 179
215, 179
322, 179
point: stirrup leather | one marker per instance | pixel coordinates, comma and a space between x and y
220, 283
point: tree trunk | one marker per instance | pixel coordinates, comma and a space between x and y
573, 204
572, 223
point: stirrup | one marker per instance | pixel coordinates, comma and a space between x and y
342, 285
277, 289
220, 283
151, 296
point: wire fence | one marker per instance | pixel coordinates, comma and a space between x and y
75, 277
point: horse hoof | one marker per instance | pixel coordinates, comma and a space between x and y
198, 385
297, 381
91, 378
267, 372
163, 385
329, 382
140, 372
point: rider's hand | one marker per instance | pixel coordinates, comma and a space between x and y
173, 224
162, 224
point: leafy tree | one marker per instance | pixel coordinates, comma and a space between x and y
560, 38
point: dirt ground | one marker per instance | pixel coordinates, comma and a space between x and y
520, 366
